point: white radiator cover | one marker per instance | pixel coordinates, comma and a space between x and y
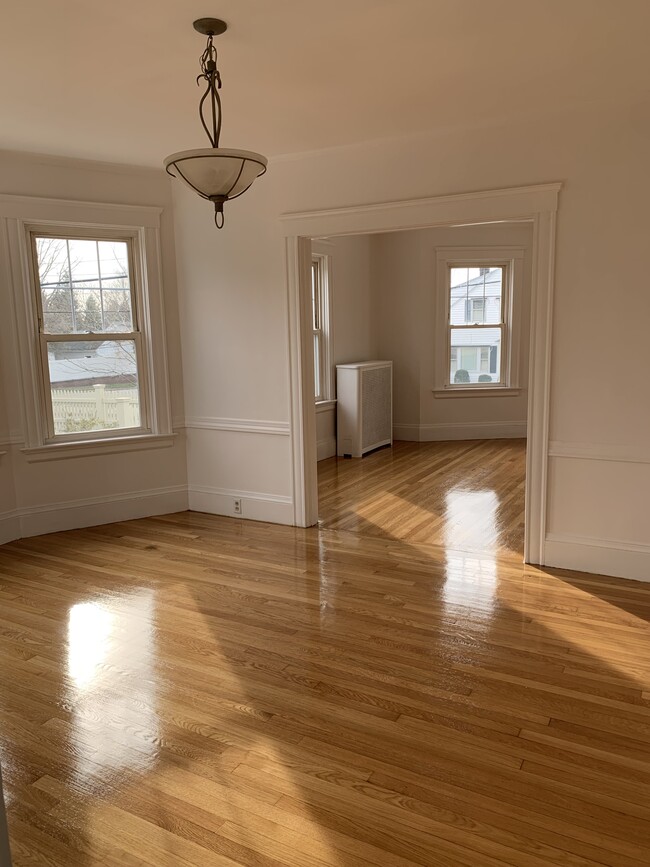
364, 401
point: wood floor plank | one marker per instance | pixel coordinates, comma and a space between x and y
393, 687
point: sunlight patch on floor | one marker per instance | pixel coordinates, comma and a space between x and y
111, 687
471, 519
588, 625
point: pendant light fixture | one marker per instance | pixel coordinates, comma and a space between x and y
215, 173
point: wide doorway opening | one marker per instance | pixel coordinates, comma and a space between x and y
480, 354
420, 374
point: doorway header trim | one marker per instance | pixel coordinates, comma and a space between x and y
510, 204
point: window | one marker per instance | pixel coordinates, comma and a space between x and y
478, 314
90, 338
320, 326
477, 326
86, 281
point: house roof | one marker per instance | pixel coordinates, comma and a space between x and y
88, 369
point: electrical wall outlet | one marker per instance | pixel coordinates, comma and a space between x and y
236, 505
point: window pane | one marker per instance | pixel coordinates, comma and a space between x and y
475, 295
117, 309
57, 310
317, 376
84, 285
114, 263
479, 355
87, 307
84, 265
315, 294
94, 385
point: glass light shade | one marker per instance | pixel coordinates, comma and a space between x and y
217, 173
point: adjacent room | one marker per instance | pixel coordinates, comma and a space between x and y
449, 308
324, 427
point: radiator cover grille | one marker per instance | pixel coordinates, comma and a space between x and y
376, 422
364, 407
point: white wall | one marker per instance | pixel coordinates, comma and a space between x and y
354, 336
234, 300
59, 494
404, 286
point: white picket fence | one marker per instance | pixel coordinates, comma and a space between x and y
104, 407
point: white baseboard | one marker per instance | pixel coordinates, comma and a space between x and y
325, 448
9, 526
72, 514
598, 556
271, 508
425, 433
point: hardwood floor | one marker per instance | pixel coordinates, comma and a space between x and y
195, 690
463, 495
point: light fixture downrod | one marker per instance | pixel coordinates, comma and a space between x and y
217, 174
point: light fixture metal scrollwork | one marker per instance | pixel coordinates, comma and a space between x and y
215, 173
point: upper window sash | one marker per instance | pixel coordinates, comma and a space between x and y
37, 235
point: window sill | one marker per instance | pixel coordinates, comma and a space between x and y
90, 448
325, 405
495, 391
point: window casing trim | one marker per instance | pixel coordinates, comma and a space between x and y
21, 215
44, 338
512, 260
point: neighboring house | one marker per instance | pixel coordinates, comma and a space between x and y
477, 301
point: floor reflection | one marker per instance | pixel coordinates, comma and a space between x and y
470, 520
111, 686
467, 495
89, 630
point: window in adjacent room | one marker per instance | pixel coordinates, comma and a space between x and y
478, 312
320, 326
89, 336
477, 326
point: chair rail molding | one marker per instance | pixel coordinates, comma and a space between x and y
599, 452
240, 425
536, 204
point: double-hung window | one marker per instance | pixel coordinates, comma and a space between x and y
477, 328
90, 338
320, 326
478, 312
86, 283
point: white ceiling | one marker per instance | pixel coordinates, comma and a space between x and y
115, 79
